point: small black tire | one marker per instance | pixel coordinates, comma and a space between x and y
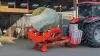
90, 34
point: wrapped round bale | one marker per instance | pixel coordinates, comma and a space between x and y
44, 18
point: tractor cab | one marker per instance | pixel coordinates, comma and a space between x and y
88, 9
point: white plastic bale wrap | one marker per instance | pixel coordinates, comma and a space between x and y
75, 34
48, 18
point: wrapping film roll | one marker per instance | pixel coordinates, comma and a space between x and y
44, 18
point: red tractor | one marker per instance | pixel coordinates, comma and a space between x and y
84, 28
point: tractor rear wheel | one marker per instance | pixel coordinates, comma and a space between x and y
92, 34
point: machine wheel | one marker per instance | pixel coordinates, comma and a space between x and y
92, 34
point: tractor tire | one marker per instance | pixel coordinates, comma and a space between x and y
92, 34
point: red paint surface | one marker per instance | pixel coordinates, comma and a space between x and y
38, 38
89, 3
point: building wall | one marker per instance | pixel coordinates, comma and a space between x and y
18, 21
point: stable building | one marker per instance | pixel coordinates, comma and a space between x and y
12, 11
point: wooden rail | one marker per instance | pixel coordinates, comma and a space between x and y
13, 10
